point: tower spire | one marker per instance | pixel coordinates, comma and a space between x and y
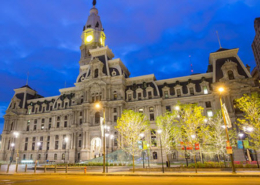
94, 2
218, 40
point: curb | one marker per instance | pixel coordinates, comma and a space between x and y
140, 175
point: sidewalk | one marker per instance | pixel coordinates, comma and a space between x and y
155, 174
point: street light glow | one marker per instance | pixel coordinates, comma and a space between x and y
97, 105
106, 134
177, 107
193, 136
39, 144
159, 131
240, 134
142, 135
12, 144
112, 137
66, 139
221, 89
250, 129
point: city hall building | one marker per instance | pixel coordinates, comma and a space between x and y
67, 128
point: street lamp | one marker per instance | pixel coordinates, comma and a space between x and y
221, 90
112, 138
142, 138
66, 139
98, 106
12, 145
16, 134
159, 132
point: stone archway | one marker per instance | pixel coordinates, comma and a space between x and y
96, 147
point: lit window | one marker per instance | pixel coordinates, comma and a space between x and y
141, 111
166, 95
191, 91
205, 90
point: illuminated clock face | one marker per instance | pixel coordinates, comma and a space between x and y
89, 38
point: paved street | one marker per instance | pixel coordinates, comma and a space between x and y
89, 180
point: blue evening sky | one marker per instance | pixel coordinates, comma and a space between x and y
150, 36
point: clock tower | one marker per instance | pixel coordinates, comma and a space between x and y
93, 35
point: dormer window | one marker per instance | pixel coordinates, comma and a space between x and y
191, 91
178, 93
231, 75
96, 73
166, 95
139, 96
129, 97
205, 90
149, 95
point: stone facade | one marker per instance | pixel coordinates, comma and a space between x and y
44, 123
256, 45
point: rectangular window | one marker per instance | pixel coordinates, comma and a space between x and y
48, 138
48, 146
191, 91
43, 109
129, 97
43, 120
28, 126
41, 138
115, 110
34, 127
115, 142
34, 138
80, 113
178, 92
115, 118
42, 126
56, 137
166, 95
26, 139
50, 120
63, 146
168, 108
80, 121
25, 146
151, 117
79, 143
66, 105
33, 146
141, 111
65, 124
115, 96
58, 124
56, 145
49, 126
149, 95
208, 104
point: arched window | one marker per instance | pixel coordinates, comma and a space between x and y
96, 73
55, 156
31, 157
97, 117
231, 75
154, 155
24, 156
63, 156
39, 156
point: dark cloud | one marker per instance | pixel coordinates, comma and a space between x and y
150, 36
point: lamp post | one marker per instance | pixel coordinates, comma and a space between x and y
66, 139
142, 138
12, 145
98, 106
221, 90
112, 140
159, 132
39, 145
16, 134
148, 153
195, 161
107, 135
